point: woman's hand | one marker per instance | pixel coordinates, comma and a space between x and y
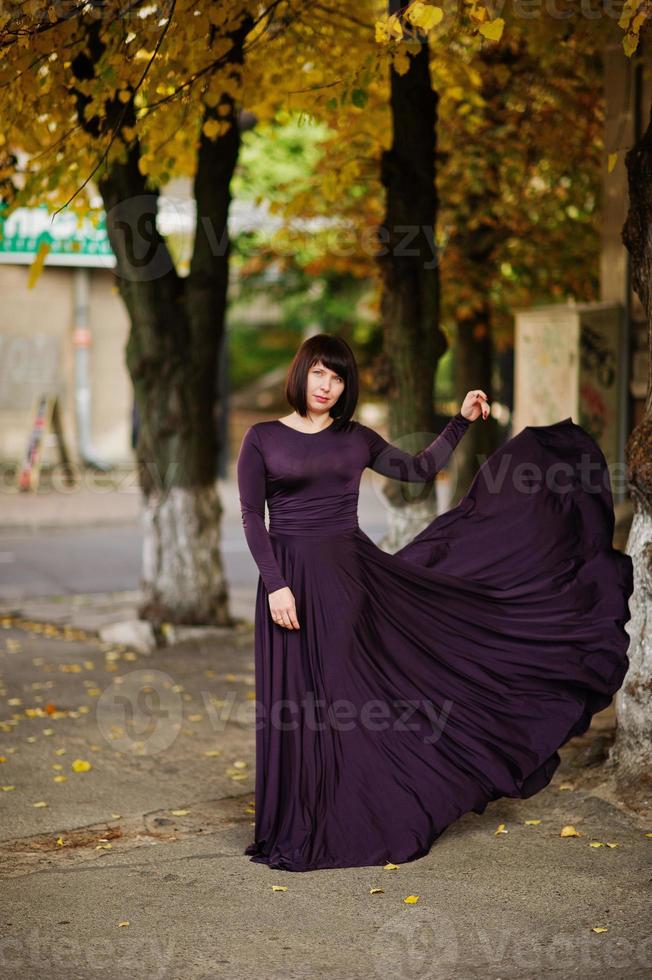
283, 609
475, 404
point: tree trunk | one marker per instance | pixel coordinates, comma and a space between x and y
172, 355
409, 266
632, 750
182, 577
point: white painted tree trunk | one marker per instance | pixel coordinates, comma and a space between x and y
632, 749
404, 523
183, 578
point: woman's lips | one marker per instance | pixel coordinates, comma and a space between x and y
320, 399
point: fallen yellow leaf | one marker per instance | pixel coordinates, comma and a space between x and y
596, 843
124, 923
501, 829
376, 891
566, 786
180, 813
569, 831
80, 765
279, 888
612, 844
40, 803
6, 789
532, 823
599, 929
59, 779
60, 841
411, 899
390, 867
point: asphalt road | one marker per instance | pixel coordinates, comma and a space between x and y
106, 559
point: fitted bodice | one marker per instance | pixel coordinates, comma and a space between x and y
313, 479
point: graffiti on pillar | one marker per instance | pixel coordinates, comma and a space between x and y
598, 384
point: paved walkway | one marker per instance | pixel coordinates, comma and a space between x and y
134, 867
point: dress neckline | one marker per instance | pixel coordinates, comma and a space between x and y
292, 429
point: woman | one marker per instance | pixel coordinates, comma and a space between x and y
397, 692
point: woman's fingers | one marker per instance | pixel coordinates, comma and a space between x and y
285, 617
290, 618
484, 404
481, 400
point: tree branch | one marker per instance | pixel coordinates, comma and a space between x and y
123, 111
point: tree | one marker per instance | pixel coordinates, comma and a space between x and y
632, 750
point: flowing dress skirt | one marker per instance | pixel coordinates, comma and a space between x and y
424, 684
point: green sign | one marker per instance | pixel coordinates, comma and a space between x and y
70, 243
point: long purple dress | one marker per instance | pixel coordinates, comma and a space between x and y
423, 684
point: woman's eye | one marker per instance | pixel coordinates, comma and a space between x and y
319, 371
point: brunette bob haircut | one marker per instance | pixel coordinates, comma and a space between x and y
335, 354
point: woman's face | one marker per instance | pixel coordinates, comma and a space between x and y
323, 388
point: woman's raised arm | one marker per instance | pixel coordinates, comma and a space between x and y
389, 460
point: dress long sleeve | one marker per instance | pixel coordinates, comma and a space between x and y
250, 469
389, 460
